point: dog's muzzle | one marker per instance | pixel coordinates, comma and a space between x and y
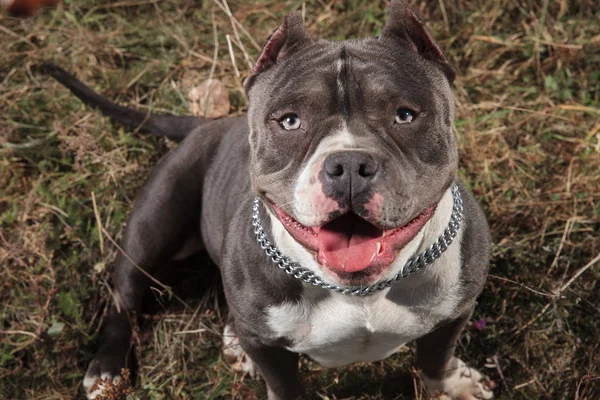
412, 266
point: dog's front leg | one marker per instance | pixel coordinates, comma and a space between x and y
445, 374
165, 216
278, 367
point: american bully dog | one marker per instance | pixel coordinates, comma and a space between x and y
332, 209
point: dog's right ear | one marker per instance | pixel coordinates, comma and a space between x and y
287, 39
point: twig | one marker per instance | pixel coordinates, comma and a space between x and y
188, 332
225, 7
33, 335
28, 145
416, 384
200, 56
592, 133
233, 62
232, 56
137, 77
566, 232
236, 34
444, 16
17, 36
213, 65
143, 271
128, 4
499, 370
522, 385
240, 46
51, 294
531, 321
587, 378
578, 274
522, 285
521, 204
304, 11
98, 224
556, 295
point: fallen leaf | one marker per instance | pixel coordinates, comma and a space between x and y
210, 99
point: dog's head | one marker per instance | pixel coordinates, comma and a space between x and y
351, 142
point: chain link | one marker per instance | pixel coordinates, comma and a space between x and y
413, 265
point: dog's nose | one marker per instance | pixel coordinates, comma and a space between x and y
350, 173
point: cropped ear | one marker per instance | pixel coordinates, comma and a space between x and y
287, 39
405, 25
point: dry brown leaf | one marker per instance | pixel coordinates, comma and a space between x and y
210, 99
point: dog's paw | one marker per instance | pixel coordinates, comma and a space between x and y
234, 354
107, 367
93, 387
462, 383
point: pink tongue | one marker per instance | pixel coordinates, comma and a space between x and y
348, 243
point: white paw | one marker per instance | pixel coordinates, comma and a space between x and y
235, 354
463, 383
89, 382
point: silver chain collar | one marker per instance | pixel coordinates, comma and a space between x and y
413, 265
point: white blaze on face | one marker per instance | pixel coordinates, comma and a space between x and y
340, 84
311, 206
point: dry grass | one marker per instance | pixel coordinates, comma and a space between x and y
528, 122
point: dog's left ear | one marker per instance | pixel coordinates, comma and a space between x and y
405, 25
286, 40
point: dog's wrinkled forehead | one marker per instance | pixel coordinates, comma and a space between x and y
347, 76
405, 45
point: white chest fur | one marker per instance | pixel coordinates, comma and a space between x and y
336, 329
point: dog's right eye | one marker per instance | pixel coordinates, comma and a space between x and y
290, 122
404, 116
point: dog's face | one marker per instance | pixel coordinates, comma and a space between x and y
351, 142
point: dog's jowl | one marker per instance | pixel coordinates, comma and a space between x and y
332, 209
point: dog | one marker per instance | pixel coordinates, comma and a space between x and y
332, 210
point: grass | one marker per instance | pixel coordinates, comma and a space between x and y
528, 123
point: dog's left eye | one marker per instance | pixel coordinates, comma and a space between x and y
290, 122
404, 116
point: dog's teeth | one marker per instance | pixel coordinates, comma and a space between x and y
378, 247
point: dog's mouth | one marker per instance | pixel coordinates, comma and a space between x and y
349, 244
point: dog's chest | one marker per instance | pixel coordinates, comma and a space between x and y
340, 329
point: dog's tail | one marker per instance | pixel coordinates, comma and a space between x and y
172, 126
